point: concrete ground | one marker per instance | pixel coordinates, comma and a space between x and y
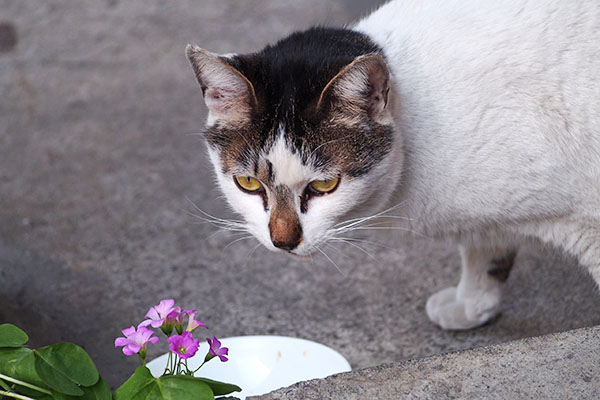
557, 366
100, 164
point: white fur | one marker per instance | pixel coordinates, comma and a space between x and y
323, 211
498, 104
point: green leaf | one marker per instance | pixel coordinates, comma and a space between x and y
60, 396
65, 366
141, 378
100, 391
11, 336
220, 388
176, 387
18, 363
143, 386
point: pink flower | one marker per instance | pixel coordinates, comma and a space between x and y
158, 313
163, 315
184, 345
135, 341
193, 323
216, 350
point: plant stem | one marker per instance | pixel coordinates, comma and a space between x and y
196, 370
5, 386
167, 364
171, 363
14, 395
21, 383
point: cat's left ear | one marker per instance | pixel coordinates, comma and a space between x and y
228, 94
360, 87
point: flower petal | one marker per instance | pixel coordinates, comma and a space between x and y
129, 331
145, 323
152, 313
121, 341
158, 323
223, 358
165, 307
131, 349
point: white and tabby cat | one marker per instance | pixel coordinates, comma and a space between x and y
481, 118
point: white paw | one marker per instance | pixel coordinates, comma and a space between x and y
449, 312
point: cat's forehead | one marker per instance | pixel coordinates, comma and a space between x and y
284, 163
292, 151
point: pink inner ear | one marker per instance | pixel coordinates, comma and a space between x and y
218, 100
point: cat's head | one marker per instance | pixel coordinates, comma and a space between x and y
301, 134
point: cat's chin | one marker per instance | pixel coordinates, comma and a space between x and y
292, 253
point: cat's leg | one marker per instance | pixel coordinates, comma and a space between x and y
477, 297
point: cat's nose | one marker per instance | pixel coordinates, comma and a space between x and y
289, 246
285, 234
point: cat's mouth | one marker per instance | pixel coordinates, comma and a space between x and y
296, 255
295, 252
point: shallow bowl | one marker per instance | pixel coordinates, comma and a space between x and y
261, 364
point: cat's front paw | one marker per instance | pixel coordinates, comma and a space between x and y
445, 309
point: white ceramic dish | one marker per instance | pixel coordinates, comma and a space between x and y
261, 364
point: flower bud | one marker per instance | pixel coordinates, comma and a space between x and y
167, 328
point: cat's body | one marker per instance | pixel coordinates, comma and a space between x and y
490, 133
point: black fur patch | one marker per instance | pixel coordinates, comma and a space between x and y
500, 267
288, 78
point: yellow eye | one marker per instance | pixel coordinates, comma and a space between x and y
325, 186
248, 183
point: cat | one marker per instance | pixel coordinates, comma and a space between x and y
477, 121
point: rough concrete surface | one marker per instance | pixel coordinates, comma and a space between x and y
558, 366
100, 164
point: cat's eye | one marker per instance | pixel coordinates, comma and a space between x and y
248, 183
325, 186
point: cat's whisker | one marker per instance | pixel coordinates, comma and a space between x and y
212, 217
217, 223
357, 221
225, 227
374, 221
249, 256
237, 240
221, 223
380, 213
356, 246
389, 228
216, 220
219, 231
331, 261
329, 245
362, 241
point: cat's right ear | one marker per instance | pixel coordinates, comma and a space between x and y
228, 94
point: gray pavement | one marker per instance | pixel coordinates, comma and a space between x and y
557, 366
98, 158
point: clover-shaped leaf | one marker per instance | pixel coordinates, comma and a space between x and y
11, 336
65, 367
143, 386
